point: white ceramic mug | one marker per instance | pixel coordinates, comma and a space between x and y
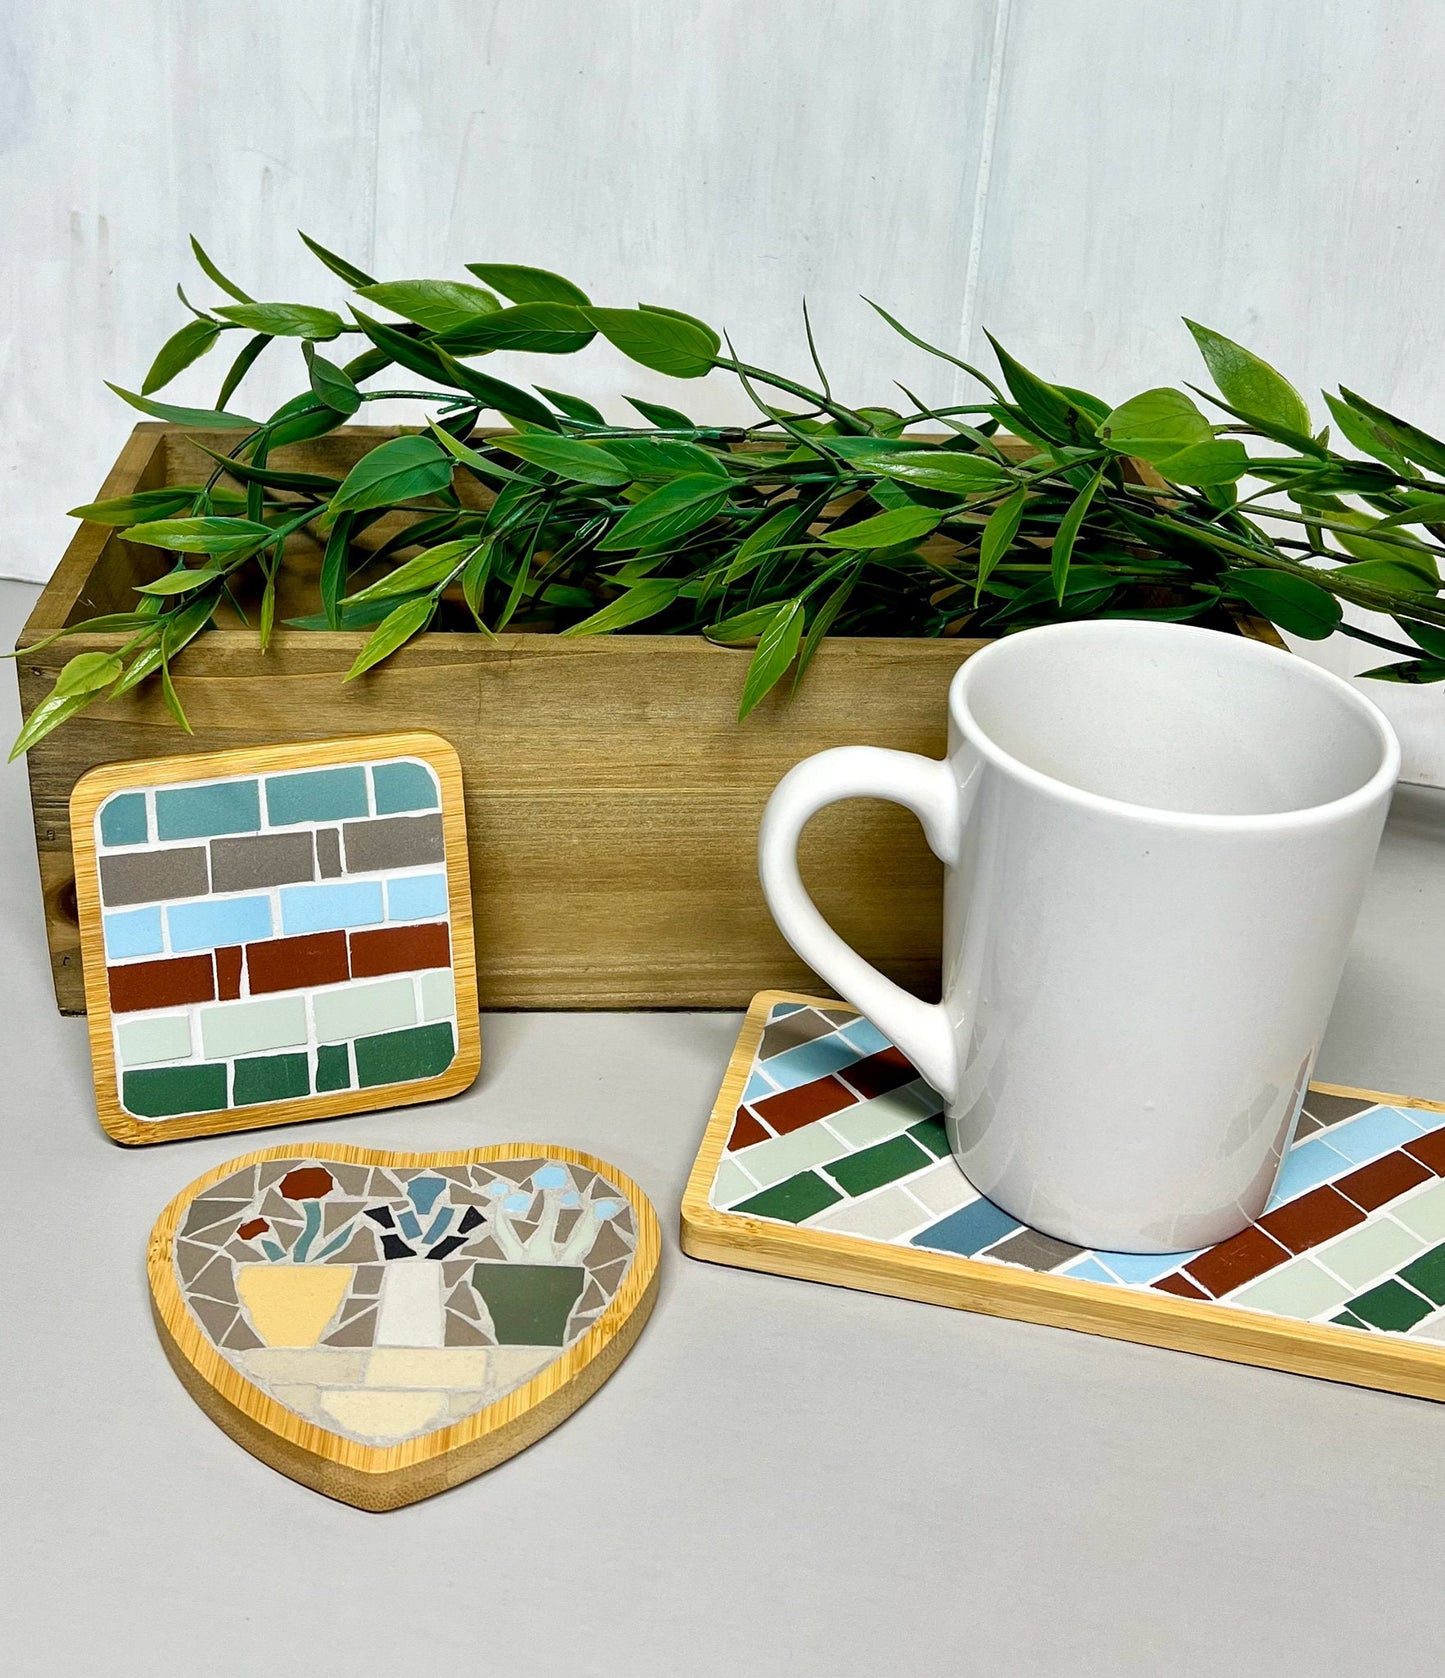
1156, 842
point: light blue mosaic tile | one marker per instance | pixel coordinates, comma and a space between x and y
1088, 1269
330, 908
1144, 1267
1368, 1135
404, 786
209, 924
810, 1060
416, 897
758, 1086
865, 1037
1306, 1165
133, 932
781, 1010
203, 811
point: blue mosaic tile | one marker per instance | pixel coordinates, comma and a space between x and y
969, 1230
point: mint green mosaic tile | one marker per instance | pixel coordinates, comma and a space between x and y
1367, 1254
1300, 1290
157, 1037
884, 1116
245, 1028
770, 1162
354, 1010
438, 994
1423, 1212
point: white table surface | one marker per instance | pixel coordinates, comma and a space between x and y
782, 1478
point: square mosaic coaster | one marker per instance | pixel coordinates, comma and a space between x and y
275, 933
825, 1158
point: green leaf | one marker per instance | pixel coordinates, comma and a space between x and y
332, 385
168, 687
334, 566
933, 349
437, 305
1414, 444
478, 463
667, 513
1297, 440
923, 465
573, 406
209, 535
46, 718
394, 631
1366, 435
1067, 533
883, 530
998, 534
136, 509
776, 649
401, 470
474, 581
272, 477
742, 628
1222, 461
544, 328
662, 340
1289, 601
214, 274
659, 458
666, 419
578, 462
1423, 509
179, 582
508, 400
1425, 635
762, 539
1412, 671
199, 419
1402, 549
643, 600
242, 365
179, 351
87, 673
823, 620
425, 571
301, 419
1250, 384
1044, 405
1155, 424
402, 348
528, 285
285, 320
338, 265
1390, 573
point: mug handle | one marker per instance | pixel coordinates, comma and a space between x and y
922, 1030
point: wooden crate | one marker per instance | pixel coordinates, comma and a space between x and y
613, 798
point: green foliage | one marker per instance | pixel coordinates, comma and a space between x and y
821, 518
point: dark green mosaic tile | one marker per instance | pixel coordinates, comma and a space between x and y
161, 1092
333, 1067
792, 1201
270, 1078
1391, 1305
932, 1135
400, 1057
1348, 1319
1427, 1274
530, 1303
898, 1157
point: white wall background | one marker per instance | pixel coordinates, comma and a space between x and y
1074, 177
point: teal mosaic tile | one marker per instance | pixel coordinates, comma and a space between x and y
316, 795
123, 819
201, 812
400, 787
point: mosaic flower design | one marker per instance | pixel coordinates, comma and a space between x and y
383, 1303
837, 1131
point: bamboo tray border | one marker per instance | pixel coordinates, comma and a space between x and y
998, 1290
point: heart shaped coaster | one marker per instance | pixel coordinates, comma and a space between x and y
380, 1326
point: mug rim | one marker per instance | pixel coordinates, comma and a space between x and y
1309, 815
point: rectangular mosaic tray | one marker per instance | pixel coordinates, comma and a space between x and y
275, 933
825, 1158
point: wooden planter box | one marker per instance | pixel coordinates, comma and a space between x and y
613, 799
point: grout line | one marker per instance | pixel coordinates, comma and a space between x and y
992, 100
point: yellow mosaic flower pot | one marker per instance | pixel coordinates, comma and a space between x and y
292, 1304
